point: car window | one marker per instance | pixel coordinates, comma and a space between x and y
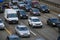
35, 10
54, 20
35, 20
22, 12
22, 28
12, 15
44, 7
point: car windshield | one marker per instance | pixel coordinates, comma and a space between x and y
54, 20
0, 21
44, 7
28, 6
35, 10
22, 12
12, 15
35, 20
23, 28
14, 38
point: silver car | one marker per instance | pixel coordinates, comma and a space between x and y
22, 30
2, 26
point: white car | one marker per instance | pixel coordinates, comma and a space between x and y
34, 22
2, 26
22, 30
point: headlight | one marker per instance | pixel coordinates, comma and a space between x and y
21, 34
41, 24
33, 24
53, 23
20, 15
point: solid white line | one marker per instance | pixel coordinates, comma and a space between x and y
33, 33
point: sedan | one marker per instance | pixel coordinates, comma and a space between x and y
27, 7
15, 8
35, 22
22, 14
22, 30
2, 26
13, 37
44, 8
21, 4
35, 11
55, 22
35, 4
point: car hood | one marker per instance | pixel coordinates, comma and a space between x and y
24, 32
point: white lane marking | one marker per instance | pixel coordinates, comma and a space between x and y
33, 33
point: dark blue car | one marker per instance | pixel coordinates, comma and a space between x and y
44, 8
22, 14
28, 7
53, 22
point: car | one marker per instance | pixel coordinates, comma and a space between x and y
27, 7
14, 1
13, 37
35, 22
22, 14
21, 4
40, 38
55, 22
22, 30
35, 11
2, 25
10, 16
44, 8
15, 7
27, 1
58, 38
35, 4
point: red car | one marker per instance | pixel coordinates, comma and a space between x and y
35, 4
35, 11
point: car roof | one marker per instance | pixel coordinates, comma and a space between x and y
13, 36
34, 17
21, 25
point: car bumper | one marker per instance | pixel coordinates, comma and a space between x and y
46, 11
25, 17
25, 35
37, 26
36, 14
13, 21
1, 28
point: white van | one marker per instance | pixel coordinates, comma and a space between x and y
11, 16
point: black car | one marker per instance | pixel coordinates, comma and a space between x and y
22, 14
55, 22
13, 37
27, 7
43, 8
35, 11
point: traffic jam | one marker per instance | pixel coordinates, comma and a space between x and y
28, 20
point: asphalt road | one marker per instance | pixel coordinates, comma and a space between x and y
47, 32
